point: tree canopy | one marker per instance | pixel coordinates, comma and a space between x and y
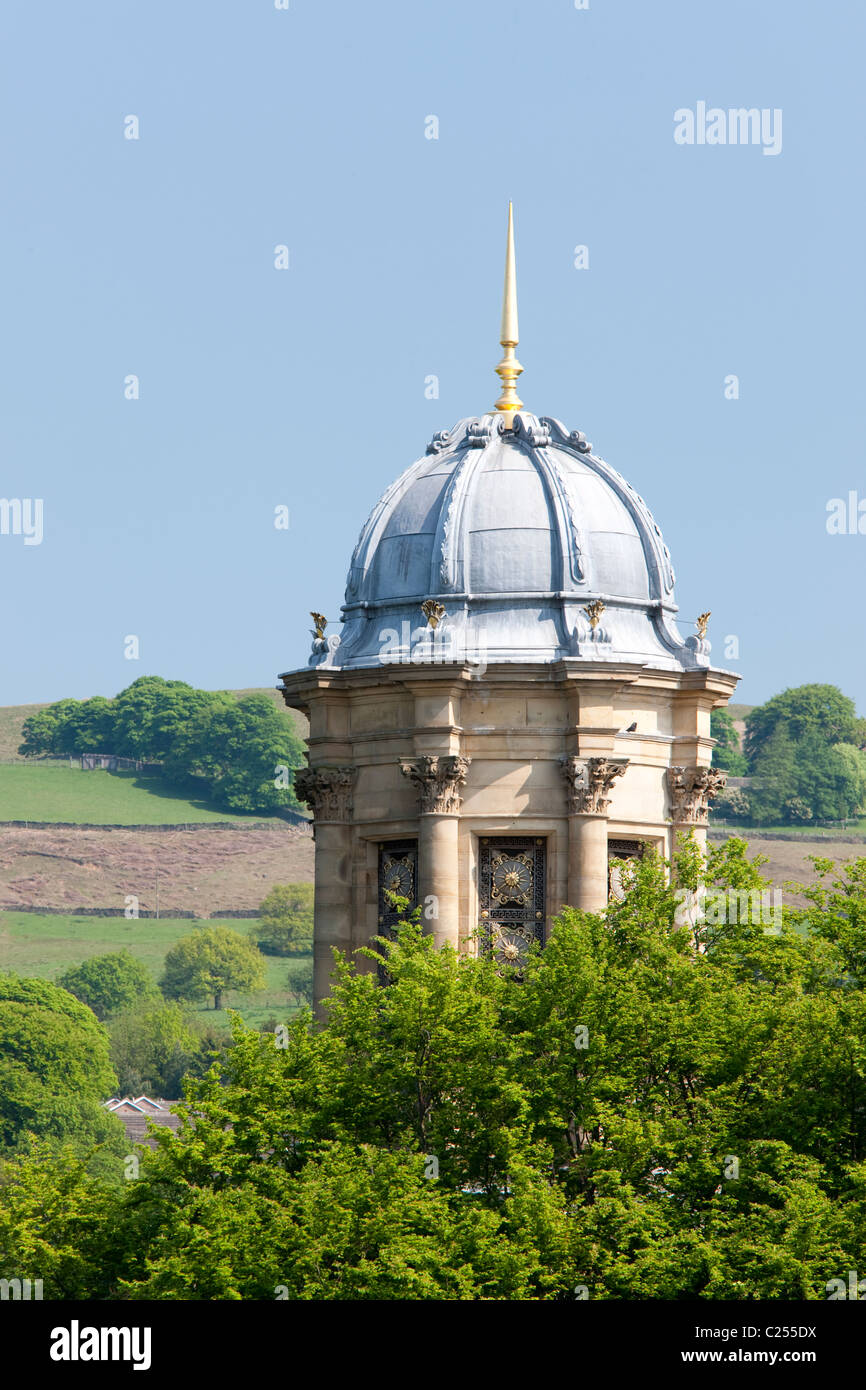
285, 924
110, 982
727, 753
210, 961
659, 1104
803, 754
154, 1045
54, 1066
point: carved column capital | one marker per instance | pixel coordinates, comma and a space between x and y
327, 791
437, 780
690, 790
589, 782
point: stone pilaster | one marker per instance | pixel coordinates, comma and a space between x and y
589, 782
438, 780
328, 793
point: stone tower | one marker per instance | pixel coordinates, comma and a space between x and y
509, 708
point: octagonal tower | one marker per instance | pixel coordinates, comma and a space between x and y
509, 707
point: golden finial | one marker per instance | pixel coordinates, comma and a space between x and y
509, 368
701, 623
321, 623
434, 612
594, 611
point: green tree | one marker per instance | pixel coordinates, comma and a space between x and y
641, 1109
111, 982
300, 983
54, 1065
210, 961
238, 749
91, 726
50, 732
827, 780
853, 772
774, 778
285, 924
153, 1047
57, 1220
152, 716
727, 754
806, 709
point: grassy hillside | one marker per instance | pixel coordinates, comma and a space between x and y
57, 792
738, 711
46, 946
11, 719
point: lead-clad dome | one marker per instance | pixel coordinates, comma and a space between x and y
515, 528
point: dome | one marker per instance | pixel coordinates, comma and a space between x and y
523, 546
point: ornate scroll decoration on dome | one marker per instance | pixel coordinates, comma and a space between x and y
691, 789
572, 439
537, 435
324, 649
450, 517
526, 426
511, 899
327, 791
437, 779
596, 634
589, 782
443, 440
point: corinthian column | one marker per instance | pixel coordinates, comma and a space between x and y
691, 789
328, 793
589, 782
437, 779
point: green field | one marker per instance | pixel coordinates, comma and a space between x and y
54, 791
45, 946
855, 827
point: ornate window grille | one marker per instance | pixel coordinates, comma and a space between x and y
398, 873
511, 894
617, 852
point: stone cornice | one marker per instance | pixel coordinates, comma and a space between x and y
306, 683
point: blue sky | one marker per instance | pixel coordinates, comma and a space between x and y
305, 387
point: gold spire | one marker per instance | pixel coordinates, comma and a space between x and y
509, 368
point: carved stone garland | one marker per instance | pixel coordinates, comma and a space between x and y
690, 790
590, 782
437, 779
